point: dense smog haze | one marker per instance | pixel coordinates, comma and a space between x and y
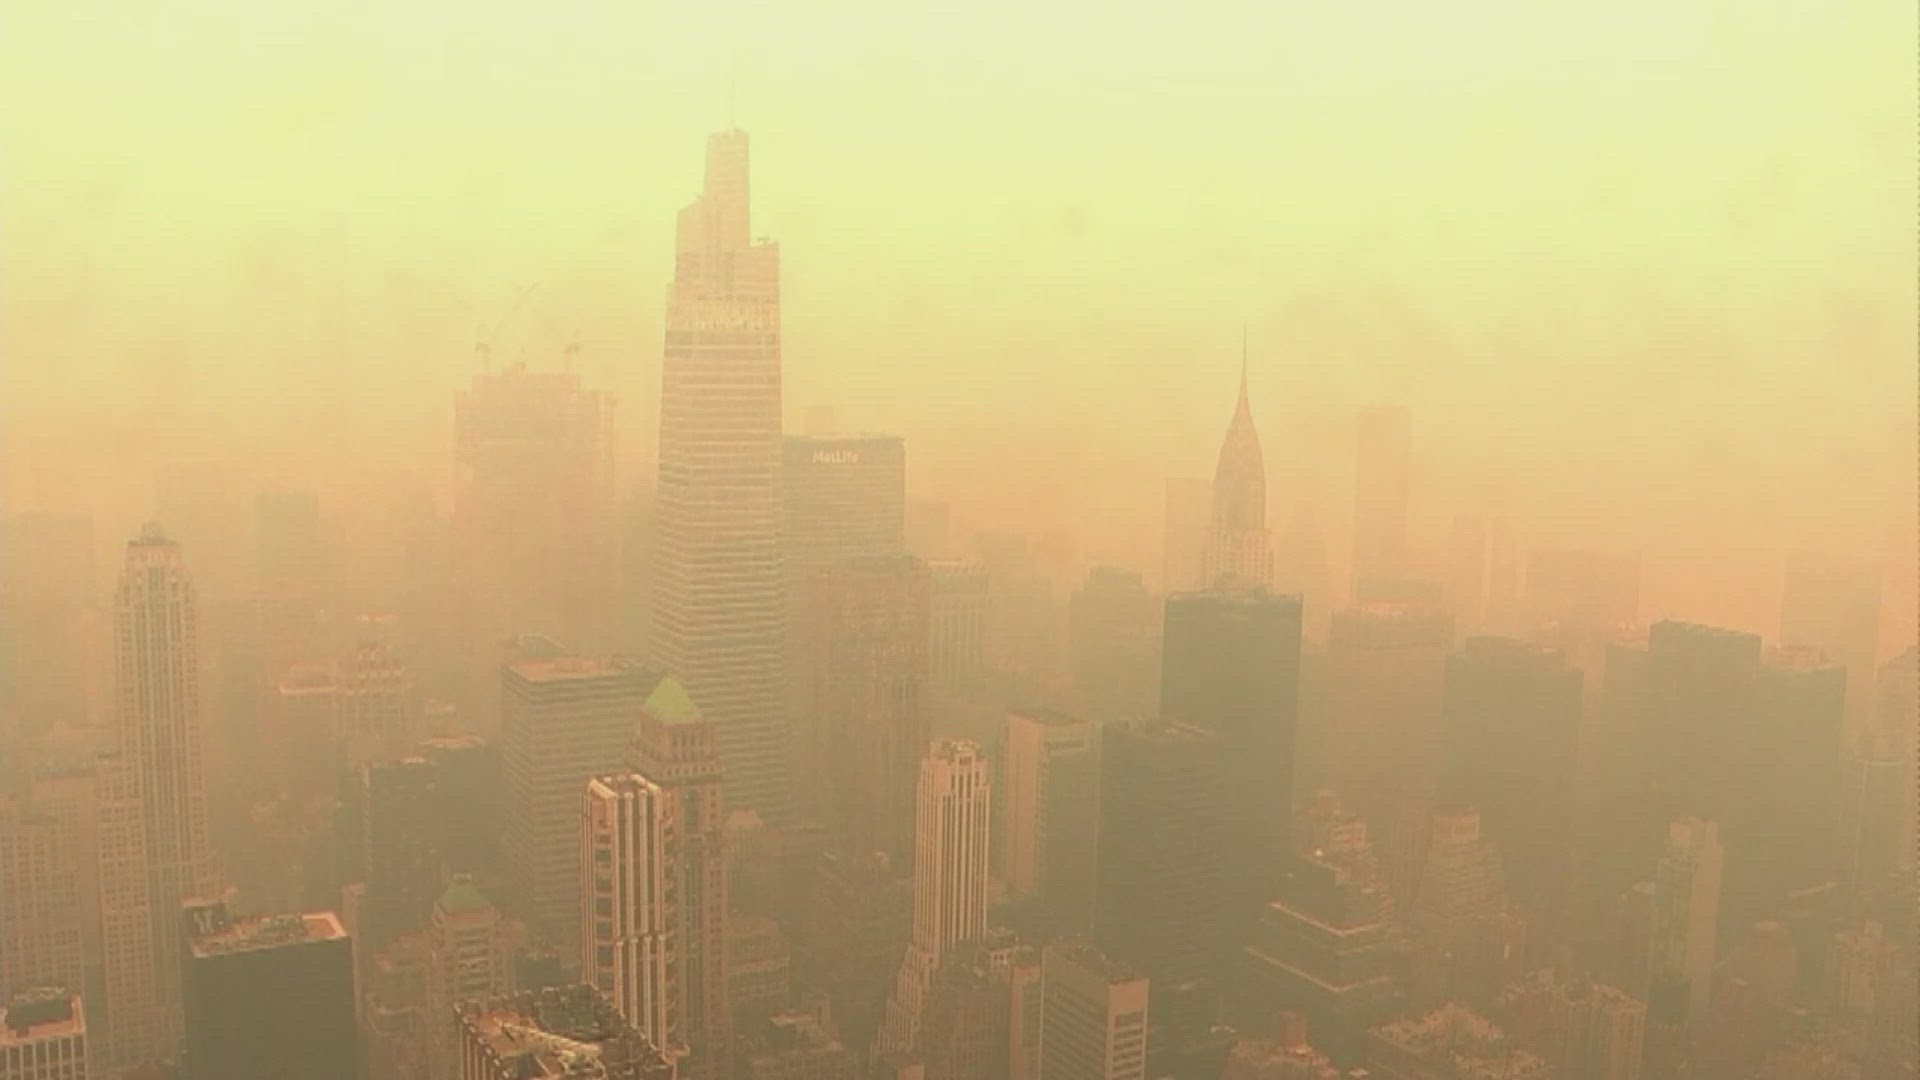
1030, 540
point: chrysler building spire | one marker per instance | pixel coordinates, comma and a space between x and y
1239, 551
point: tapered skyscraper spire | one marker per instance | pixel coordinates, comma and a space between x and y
718, 591
1239, 551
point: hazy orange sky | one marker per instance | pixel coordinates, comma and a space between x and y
1650, 262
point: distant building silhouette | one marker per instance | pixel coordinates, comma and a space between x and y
1833, 604
866, 631
1377, 738
1510, 745
1187, 519
1050, 792
533, 508
1113, 641
1381, 485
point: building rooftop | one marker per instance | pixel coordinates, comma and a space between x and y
1043, 715
1798, 658
1087, 955
50, 1012
562, 1031
214, 932
548, 669
1460, 1041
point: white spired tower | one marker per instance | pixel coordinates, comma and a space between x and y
157, 713
718, 605
949, 879
630, 906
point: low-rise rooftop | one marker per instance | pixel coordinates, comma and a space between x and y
562, 1031
212, 932
41, 1014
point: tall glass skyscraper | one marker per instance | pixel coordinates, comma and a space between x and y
718, 614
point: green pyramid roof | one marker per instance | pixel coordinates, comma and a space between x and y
671, 704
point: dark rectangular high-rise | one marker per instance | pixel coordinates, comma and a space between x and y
1510, 737
1162, 882
269, 997
1693, 699
1230, 663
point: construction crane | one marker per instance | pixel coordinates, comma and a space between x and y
483, 348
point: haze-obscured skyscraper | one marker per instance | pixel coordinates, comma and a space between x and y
1113, 642
844, 496
1239, 551
1377, 738
160, 741
958, 596
1188, 517
50, 621
1230, 663
1686, 918
1779, 806
567, 719
867, 628
1051, 820
630, 905
1833, 604
718, 605
1381, 484
1580, 602
952, 830
533, 506
1693, 705
1509, 745
269, 996
1483, 571
289, 574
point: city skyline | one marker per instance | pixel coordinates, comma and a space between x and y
603, 595
1343, 309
